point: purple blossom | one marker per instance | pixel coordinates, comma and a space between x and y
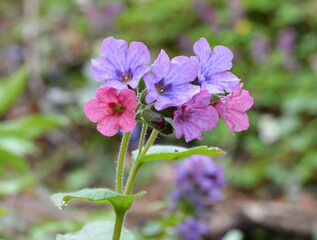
169, 85
198, 182
119, 65
192, 229
232, 109
213, 67
195, 116
260, 48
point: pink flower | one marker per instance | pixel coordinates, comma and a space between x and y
232, 109
113, 110
195, 116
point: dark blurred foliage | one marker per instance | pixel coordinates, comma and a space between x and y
275, 55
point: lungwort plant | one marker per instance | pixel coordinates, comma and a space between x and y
185, 95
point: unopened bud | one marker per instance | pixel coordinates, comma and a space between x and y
156, 121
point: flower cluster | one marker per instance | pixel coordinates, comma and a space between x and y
193, 91
198, 185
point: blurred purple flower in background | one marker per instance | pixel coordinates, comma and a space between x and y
213, 73
192, 229
119, 65
259, 48
169, 85
101, 17
199, 182
207, 14
285, 44
236, 10
195, 116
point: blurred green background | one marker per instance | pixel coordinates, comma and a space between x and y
48, 145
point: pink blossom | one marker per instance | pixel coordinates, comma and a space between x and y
112, 110
232, 109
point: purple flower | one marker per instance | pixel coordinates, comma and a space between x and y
119, 65
192, 229
213, 67
195, 116
169, 85
232, 109
198, 182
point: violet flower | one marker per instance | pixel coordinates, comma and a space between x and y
169, 86
199, 182
119, 65
213, 67
192, 229
195, 116
232, 109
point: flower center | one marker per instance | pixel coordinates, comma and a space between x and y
117, 108
161, 88
126, 77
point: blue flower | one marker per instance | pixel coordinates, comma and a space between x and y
119, 65
169, 86
192, 229
213, 67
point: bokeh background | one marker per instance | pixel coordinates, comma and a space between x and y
47, 144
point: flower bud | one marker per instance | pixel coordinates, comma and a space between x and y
166, 112
156, 121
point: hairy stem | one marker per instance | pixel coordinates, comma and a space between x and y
118, 225
136, 165
150, 142
142, 137
123, 149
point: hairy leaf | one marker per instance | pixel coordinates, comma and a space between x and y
120, 202
171, 153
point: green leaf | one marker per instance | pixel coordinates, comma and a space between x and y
16, 185
171, 153
11, 88
120, 202
17, 162
98, 230
33, 126
17, 146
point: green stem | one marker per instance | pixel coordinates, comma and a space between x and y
142, 137
149, 142
118, 225
131, 178
136, 165
123, 148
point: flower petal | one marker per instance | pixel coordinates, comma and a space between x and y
221, 81
115, 51
138, 54
138, 73
102, 69
152, 94
115, 83
108, 126
127, 121
95, 110
219, 61
183, 70
107, 94
161, 66
128, 99
202, 50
